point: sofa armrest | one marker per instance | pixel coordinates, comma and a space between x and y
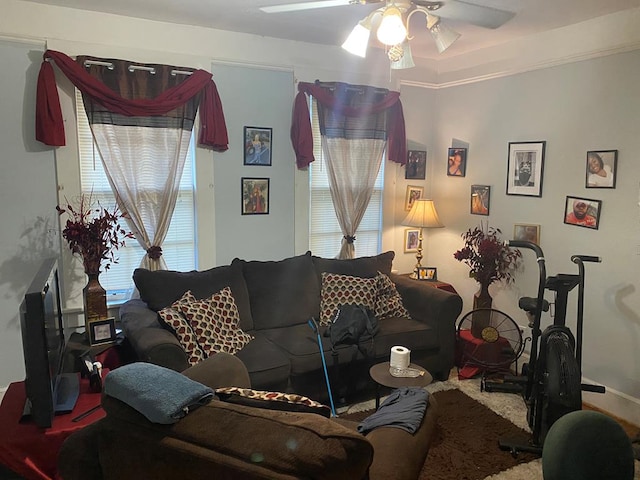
437, 308
151, 342
220, 370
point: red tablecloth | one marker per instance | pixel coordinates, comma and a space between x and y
31, 451
470, 348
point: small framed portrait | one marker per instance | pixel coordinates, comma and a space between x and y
255, 196
457, 162
525, 167
601, 168
416, 167
582, 212
527, 232
427, 273
480, 197
257, 146
102, 331
413, 194
411, 239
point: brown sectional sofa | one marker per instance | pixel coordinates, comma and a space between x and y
275, 299
227, 442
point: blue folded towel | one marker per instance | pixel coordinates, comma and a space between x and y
404, 408
160, 394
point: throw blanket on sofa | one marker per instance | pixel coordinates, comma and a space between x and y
160, 394
404, 409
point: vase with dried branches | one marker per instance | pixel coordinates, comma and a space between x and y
93, 233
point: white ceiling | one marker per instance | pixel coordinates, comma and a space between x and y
332, 25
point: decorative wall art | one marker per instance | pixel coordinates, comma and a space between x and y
416, 166
255, 196
525, 168
527, 232
457, 162
413, 194
257, 146
582, 212
411, 236
602, 166
480, 197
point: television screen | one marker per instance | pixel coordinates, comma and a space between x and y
49, 390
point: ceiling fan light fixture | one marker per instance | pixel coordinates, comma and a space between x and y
392, 30
358, 40
443, 35
405, 59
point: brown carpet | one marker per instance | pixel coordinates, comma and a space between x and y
465, 446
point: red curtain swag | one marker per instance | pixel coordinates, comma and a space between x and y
301, 135
50, 125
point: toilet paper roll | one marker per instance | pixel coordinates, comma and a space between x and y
400, 357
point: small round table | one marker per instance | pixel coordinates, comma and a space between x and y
379, 373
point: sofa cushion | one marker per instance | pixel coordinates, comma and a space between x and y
173, 318
288, 402
281, 293
357, 267
215, 323
340, 290
268, 365
412, 334
161, 288
388, 302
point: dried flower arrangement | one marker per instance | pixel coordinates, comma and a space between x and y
93, 232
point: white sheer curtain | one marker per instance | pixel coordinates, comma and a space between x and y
144, 166
352, 167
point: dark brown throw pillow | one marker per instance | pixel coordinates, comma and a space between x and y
289, 402
356, 267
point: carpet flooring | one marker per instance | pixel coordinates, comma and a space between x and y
470, 423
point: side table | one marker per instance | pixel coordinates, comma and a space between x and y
379, 373
435, 284
32, 451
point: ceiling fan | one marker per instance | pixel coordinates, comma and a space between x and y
391, 22
487, 17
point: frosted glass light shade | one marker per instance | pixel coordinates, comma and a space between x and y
358, 40
406, 61
443, 36
392, 30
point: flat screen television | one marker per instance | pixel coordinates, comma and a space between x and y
49, 390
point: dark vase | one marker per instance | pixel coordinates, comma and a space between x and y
95, 299
481, 319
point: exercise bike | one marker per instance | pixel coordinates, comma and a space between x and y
550, 382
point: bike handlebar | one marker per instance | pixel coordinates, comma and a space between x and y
525, 244
585, 258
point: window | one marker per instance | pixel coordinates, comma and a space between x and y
179, 247
325, 236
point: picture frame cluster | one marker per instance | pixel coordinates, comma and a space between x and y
257, 151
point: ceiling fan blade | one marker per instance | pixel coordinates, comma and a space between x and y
486, 17
294, 7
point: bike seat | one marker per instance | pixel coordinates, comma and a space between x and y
529, 304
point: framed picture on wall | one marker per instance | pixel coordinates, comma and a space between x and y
527, 232
413, 194
416, 167
602, 166
255, 196
257, 146
582, 212
457, 162
411, 237
480, 197
525, 168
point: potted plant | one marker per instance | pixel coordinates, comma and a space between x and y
490, 260
93, 233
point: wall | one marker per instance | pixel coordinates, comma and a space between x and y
590, 105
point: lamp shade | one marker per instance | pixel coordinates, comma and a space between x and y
423, 214
443, 35
392, 30
358, 40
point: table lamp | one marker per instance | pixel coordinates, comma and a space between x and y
422, 215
